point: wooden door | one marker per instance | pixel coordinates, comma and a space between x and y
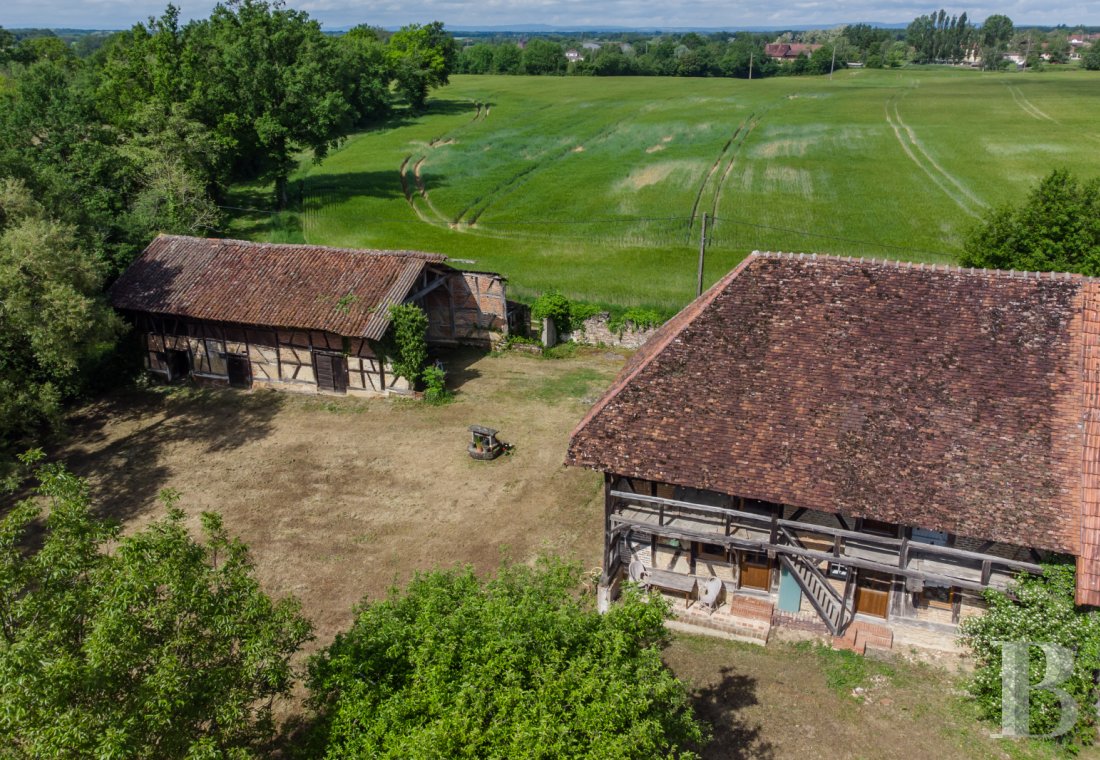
756, 571
239, 371
179, 363
872, 594
332, 372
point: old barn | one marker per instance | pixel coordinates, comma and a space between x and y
855, 448
296, 317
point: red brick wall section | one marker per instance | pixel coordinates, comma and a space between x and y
1088, 561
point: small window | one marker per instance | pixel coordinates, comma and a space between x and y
937, 597
837, 571
711, 552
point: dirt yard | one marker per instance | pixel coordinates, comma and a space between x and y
339, 499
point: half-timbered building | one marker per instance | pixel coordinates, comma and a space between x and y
295, 317
853, 447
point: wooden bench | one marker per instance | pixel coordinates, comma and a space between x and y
663, 579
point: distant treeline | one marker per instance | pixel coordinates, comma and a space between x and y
722, 54
932, 38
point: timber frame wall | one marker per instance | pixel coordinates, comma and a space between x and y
677, 531
278, 358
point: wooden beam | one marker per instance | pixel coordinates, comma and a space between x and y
868, 538
640, 526
426, 289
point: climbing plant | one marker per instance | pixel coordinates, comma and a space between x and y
408, 349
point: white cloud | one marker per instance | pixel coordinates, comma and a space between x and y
101, 14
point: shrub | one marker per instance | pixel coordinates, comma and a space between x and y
639, 319
1056, 230
1043, 611
151, 644
409, 341
435, 382
554, 306
517, 666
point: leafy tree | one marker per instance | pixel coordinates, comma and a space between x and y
543, 57
53, 320
507, 59
408, 347
421, 57
1056, 230
517, 666
264, 79
146, 645
1043, 610
1090, 59
366, 73
7, 42
476, 59
995, 34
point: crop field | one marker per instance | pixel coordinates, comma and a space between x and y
598, 186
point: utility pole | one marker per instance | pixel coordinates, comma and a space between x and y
751, 53
832, 65
702, 255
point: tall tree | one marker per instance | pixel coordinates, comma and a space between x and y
543, 57
265, 81
1056, 230
995, 34
146, 645
421, 57
53, 320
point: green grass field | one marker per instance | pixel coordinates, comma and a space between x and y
596, 186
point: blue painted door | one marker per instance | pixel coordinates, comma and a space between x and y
790, 594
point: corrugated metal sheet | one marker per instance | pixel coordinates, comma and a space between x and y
343, 291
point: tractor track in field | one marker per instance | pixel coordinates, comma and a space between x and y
415, 168
915, 150
712, 170
1027, 106
753, 120
480, 204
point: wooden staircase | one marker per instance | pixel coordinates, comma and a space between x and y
832, 606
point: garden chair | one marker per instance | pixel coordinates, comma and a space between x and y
711, 590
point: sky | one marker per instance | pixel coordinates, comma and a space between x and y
120, 14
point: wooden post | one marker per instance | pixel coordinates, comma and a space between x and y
607, 502
702, 255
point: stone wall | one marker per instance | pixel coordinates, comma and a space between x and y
595, 331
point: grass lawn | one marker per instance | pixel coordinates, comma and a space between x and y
597, 186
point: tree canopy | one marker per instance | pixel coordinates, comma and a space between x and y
145, 645
517, 666
1057, 229
53, 318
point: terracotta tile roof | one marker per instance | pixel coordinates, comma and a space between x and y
942, 398
339, 290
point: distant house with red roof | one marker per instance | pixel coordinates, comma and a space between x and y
788, 51
854, 447
295, 317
